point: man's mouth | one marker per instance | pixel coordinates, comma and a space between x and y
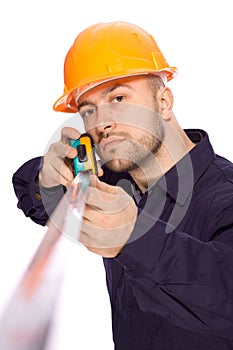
110, 143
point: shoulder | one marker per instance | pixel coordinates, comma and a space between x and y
221, 193
224, 169
28, 169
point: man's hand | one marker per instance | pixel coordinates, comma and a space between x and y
56, 169
108, 220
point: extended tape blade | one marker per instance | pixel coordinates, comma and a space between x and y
27, 317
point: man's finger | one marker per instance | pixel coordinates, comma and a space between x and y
108, 202
103, 187
69, 133
63, 150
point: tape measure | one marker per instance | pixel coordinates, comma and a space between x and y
28, 315
85, 160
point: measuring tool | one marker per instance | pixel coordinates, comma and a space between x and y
85, 160
28, 316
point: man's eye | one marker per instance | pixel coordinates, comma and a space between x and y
118, 99
88, 112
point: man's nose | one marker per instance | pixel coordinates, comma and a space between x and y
106, 118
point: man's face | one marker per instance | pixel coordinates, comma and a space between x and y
123, 118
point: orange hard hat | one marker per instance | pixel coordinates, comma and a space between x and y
108, 51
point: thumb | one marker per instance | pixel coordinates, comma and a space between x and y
100, 170
102, 186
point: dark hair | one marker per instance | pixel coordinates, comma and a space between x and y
155, 82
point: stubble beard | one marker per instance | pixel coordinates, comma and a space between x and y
132, 154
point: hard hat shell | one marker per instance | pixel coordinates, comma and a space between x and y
108, 51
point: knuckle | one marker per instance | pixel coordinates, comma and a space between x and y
57, 148
64, 131
51, 147
107, 221
90, 196
69, 132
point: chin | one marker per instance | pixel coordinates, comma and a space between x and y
120, 165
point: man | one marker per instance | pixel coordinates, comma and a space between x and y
162, 214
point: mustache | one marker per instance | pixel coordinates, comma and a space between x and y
105, 135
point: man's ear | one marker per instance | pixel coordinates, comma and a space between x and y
166, 101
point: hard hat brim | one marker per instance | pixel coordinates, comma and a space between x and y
68, 102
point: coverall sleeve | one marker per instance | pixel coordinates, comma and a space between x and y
36, 202
187, 281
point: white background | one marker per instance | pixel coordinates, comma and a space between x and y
195, 36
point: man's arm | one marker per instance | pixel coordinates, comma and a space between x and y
177, 275
185, 280
40, 183
36, 203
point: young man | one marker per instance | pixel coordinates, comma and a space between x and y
161, 216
